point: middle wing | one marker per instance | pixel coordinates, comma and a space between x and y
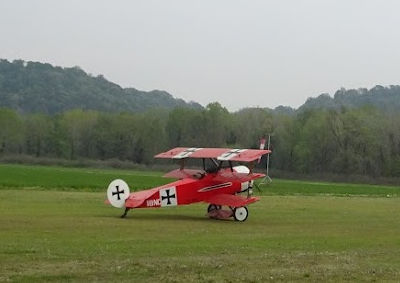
230, 200
237, 177
185, 173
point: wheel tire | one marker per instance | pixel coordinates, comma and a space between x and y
212, 207
240, 213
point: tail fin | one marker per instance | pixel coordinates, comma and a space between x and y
117, 193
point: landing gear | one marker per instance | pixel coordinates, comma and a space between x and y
213, 207
240, 213
125, 213
216, 212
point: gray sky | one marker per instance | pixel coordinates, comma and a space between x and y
239, 53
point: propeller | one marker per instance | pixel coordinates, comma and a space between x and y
250, 189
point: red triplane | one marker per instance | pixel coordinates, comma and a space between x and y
218, 183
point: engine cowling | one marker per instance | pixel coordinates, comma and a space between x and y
244, 169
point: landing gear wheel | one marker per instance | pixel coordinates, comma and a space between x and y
212, 207
240, 213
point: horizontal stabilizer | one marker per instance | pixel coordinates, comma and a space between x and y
136, 199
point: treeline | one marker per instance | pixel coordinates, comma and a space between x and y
361, 141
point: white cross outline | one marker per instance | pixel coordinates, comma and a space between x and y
186, 153
230, 154
170, 195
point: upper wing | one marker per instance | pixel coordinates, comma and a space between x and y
222, 154
230, 200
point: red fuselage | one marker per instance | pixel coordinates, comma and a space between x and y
181, 192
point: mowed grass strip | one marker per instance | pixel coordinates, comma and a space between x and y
74, 236
83, 179
87, 179
293, 187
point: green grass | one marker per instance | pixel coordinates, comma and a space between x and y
64, 236
60, 230
84, 179
289, 187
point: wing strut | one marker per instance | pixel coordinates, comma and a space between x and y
182, 162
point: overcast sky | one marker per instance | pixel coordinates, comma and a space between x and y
239, 53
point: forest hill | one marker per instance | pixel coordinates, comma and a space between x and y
362, 141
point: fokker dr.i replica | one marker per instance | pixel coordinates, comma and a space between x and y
218, 185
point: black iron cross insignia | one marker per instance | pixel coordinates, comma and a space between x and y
168, 197
118, 192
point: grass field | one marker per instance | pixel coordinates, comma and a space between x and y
56, 227
92, 180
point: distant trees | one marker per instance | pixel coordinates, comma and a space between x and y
11, 132
38, 130
202, 128
362, 141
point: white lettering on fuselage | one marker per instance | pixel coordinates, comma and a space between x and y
153, 202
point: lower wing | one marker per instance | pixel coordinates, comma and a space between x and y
230, 200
